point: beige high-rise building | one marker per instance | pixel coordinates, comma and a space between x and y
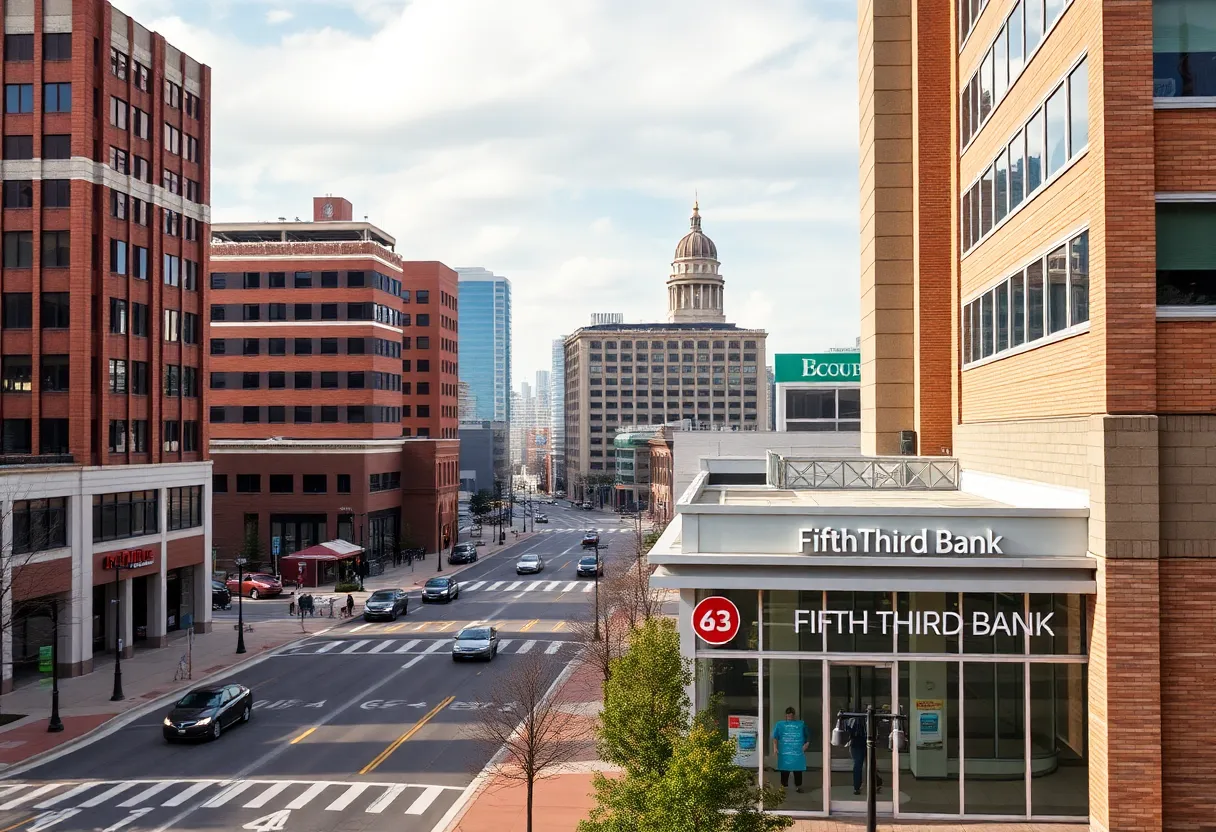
695, 367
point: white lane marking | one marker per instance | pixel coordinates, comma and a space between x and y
473, 586
533, 585
512, 586
407, 647
424, 800
495, 585
412, 662
306, 798
434, 646
503, 642
382, 802
588, 586
553, 648
354, 647
68, 795
325, 648
347, 798
151, 791
28, 796
570, 586
381, 646
526, 647
13, 789
188, 794
227, 794
360, 627
268, 795
552, 586
113, 791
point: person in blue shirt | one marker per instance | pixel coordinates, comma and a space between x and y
790, 743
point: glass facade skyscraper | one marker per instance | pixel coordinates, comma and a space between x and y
485, 342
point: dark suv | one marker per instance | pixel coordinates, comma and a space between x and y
221, 598
463, 553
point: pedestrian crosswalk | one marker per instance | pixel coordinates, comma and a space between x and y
526, 586
583, 529
425, 647
329, 795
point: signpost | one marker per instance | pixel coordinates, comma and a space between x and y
715, 620
274, 552
240, 604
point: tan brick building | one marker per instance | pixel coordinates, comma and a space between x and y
1039, 301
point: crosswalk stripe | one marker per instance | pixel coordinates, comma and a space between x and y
360, 627
28, 796
439, 642
409, 645
552, 586
227, 794
473, 586
570, 586
531, 586
526, 646
503, 642
188, 794
113, 791
268, 795
355, 647
383, 644
325, 648
347, 798
151, 791
495, 585
12, 789
588, 586
382, 802
307, 796
513, 585
424, 800
553, 648
68, 795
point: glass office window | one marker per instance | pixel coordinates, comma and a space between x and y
1034, 305
1017, 171
1078, 109
1001, 188
1184, 48
1034, 153
928, 773
1057, 129
994, 738
1057, 290
1059, 751
1017, 306
1078, 279
791, 683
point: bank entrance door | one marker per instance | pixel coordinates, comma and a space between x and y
851, 687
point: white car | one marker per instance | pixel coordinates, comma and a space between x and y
529, 565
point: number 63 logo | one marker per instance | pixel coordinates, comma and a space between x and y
715, 620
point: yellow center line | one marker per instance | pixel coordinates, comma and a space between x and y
394, 628
445, 626
529, 625
302, 736
417, 726
19, 824
421, 626
558, 626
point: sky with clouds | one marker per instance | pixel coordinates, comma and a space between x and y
556, 142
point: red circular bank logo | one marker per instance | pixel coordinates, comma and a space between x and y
715, 620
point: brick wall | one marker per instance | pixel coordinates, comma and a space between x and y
1188, 487
1185, 155
1186, 366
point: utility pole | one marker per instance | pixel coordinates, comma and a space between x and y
56, 724
117, 695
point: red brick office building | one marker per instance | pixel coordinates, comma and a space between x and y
103, 441
331, 372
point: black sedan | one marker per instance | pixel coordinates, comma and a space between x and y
589, 566
440, 589
205, 712
386, 603
463, 553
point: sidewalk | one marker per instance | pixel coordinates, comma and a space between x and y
84, 701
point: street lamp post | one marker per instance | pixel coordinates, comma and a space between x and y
597, 590
897, 742
240, 605
56, 724
117, 695
438, 538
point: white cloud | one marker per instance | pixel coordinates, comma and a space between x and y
559, 144
277, 16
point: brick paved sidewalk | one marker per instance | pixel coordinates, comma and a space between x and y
84, 701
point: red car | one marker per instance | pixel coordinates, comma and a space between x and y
256, 585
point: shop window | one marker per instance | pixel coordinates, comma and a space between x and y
1058, 740
186, 507
748, 602
994, 737
281, 483
125, 515
39, 525
928, 693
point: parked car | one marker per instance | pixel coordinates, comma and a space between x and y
529, 565
221, 598
540, 518
589, 566
386, 603
440, 589
205, 712
463, 553
591, 539
256, 585
475, 643
586, 506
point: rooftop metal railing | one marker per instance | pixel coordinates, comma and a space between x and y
878, 473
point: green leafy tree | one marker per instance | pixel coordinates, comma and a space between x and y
253, 550
646, 705
481, 503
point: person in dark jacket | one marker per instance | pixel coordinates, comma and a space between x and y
350, 605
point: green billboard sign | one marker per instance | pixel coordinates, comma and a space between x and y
44, 659
818, 367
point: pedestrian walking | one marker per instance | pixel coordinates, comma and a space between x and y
790, 743
858, 740
350, 605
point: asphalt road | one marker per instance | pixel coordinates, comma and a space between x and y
365, 727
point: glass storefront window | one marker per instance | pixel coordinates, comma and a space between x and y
748, 602
1000, 615
994, 739
780, 609
928, 766
791, 683
860, 629
942, 636
1058, 753
1066, 626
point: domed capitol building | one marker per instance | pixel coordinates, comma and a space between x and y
624, 381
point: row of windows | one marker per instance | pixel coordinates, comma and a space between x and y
131, 317
389, 481
54, 146
139, 73
281, 483
1048, 296
1057, 132
19, 249
132, 377
702, 377
673, 345
1024, 29
129, 514
307, 312
56, 46
185, 507
132, 436
1184, 51
19, 193
303, 380
17, 436
1186, 259
17, 310
306, 346
39, 525
310, 280
56, 98
307, 414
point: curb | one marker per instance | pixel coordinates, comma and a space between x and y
122, 720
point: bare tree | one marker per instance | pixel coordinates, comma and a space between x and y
532, 727
606, 638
